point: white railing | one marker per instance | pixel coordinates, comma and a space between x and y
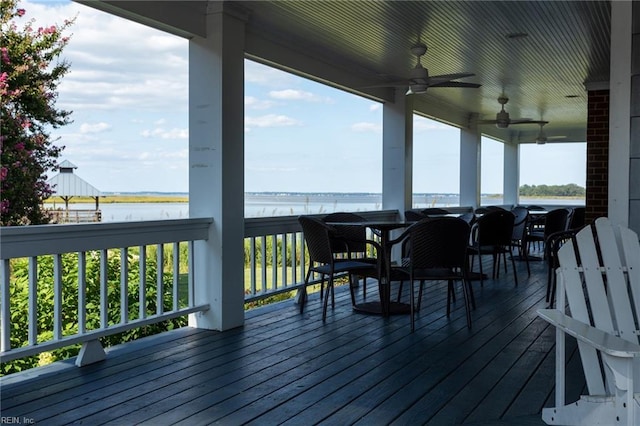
102, 305
88, 246
274, 251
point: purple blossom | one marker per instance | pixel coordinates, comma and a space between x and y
5, 55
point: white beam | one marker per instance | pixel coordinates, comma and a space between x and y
216, 168
397, 153
470, 149
620, 111
511, 176
634, 167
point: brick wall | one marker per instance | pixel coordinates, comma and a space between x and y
597, 154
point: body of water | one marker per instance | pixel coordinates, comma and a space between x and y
266, 205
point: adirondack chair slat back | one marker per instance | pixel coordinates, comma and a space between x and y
631, 247
577, 301
603, 294
617, 288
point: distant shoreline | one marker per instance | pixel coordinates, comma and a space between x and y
158, 197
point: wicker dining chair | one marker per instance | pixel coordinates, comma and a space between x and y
350, 241
554, 221
577, 221
438, 253
519, 235
552, 246
492, 234
318, 237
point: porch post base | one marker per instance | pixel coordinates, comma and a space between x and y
90, 352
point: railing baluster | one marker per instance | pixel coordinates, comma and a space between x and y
124, 285
176, 274
283, 256
191, 277
263, 263
253, 264
33, 300
142, 284
303, 257
57, 296
82, 292
5, 312
274, 262
160, 280
104, 278
294, 258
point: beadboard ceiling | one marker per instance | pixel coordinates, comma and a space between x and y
540, 54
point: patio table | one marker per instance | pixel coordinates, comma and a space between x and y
384, 306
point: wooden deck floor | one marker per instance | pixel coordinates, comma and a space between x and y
287, 368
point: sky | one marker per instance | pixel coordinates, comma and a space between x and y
130, 122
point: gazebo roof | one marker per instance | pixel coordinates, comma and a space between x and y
67, 184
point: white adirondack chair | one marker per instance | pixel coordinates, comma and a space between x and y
604, 305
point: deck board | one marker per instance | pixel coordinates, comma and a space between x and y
282, 367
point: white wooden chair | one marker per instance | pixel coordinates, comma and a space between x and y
604, 305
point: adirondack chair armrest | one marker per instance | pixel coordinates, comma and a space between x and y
601, 340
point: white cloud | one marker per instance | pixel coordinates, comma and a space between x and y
94, 128
107, 71
271, 120
366, 127
251, 102
375, 107
421, 124
166, 134
296, 95
258, 74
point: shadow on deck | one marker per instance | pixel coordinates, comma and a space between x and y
287, 368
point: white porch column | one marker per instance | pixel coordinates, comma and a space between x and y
397, 153
470, 149
511, 178
620, 111
216, 166
634, 171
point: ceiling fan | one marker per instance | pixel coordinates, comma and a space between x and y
542, 137
503, 121
419, 79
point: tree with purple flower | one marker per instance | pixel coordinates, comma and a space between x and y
30, 72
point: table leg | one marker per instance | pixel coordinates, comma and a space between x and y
385, 306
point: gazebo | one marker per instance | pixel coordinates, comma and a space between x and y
67, 185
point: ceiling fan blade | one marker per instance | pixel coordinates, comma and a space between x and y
487, 121
526, 121
456, 84
435, 79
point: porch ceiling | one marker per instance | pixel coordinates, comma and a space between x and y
352, 44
